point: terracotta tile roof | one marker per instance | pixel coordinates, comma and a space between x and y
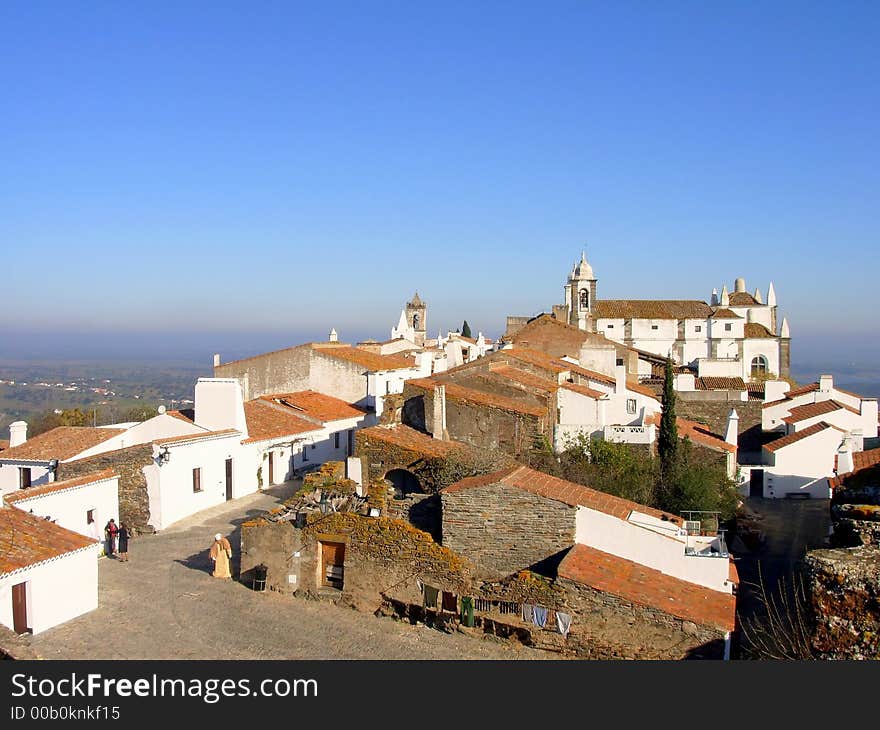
636, 387
60, 486
802, 390
316, 405
457, 392
651, 309
368, 360
723, 313
717, 383
793, 438
742, 299
756, 331
696, 432
733, 573
811, 410
267, 420
26, 539
649, 587
556, 365
524, 378
187, 414
194, 437
62, 443
584, 390
410, 439
560, 490
866, 459
4, 444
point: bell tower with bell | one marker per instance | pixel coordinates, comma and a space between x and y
580, 294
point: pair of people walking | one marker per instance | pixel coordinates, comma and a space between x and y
117, 537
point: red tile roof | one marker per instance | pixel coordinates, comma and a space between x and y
811, 410
267, 420
793, 438
556, 365
368, 360
636, 387
716, 383
865, 459
194, 437
62, 443
649, 587
584, 390
60, 486
524, 378
696, 432
742, 299
470, 395
756, 331
722, 313
316, 405
26, 539
410, 439
188, 415
560, 490
651, 309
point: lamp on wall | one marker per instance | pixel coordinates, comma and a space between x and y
53, 465
164, 455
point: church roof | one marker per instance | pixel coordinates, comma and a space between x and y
582, 269
742, 299
651, 309
723, 313
416, 301
753, 331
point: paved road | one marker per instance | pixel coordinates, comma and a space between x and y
164, 604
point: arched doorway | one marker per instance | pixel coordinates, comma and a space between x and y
404, 483
759, 366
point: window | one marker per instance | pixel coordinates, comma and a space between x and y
631, 406
197, 479
759, 365
387, 387
728, 327
585, 299
698, 328
619, 361
609, 326
24, 477
305, 453
90, 517
336, 440
416, 321
654, 327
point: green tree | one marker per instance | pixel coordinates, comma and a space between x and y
465, 329
667, 438
696, 483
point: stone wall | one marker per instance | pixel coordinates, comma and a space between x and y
843, 586
383, 557
503, 530
134, 503
282, 371
714, 414
13, 646
605, 626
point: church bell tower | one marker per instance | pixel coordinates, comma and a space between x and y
417, 318
580, 294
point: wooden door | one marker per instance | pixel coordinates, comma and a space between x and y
271, 468
19, 608
756, 483
332, 564
228, 479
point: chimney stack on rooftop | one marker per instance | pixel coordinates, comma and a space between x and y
17, 433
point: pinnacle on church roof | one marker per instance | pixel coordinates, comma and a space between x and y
757, 296
784, 330
582, 269
416, 301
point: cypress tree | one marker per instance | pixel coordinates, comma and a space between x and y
667, 439
465, 329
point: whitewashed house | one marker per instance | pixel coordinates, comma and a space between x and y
48, 574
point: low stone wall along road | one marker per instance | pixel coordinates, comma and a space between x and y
164, 604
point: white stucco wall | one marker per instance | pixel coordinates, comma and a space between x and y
753, 348
803, 467
647, 547
58, 590
9, 474
68, 507
158, 427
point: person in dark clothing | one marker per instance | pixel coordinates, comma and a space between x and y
111, 531
123, 537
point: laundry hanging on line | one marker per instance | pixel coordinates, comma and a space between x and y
430, 596
563, 623
540, 616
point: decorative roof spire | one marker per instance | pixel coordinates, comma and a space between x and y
758, 298
771, 296
784, 331
725, 297
714, 297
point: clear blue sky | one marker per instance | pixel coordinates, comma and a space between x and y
288, 167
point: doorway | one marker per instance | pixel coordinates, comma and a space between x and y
756, 483
228, 479
332, 564
271, 468
19, 609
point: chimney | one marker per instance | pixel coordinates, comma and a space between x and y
845, 463
620, 379
826, 383
731, 435
17, 433
220, 405
216, 359
438, 430
333, 337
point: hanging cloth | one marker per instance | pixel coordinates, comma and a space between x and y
540, 616
563, 623
431, 596
467, 610
450, 602
527, 612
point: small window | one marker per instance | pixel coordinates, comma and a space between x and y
305, 453
90, 517
24, 477
698, 328
197, 479
728, 327
620, 361
631, 405
610, 326
314, 446
654, 327
387, 387
336, 440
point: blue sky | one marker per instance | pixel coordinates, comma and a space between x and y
288, 167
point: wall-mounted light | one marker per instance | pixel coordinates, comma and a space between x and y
164, 455
53, 464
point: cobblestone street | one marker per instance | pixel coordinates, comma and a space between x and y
164, 604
